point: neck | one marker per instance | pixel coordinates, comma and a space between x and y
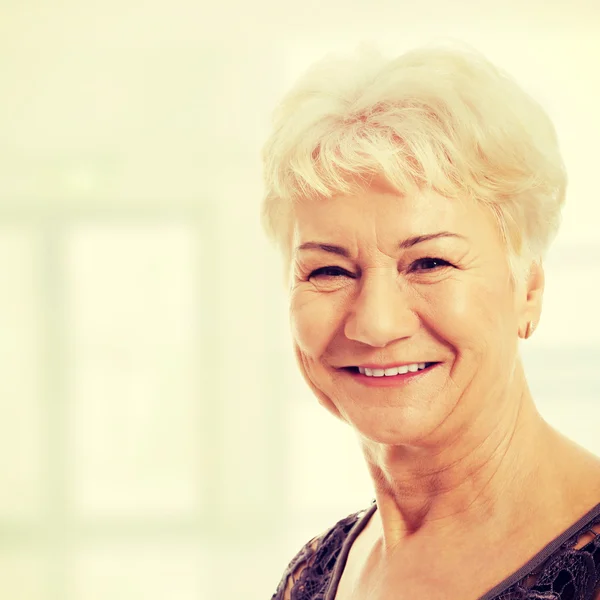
476, 477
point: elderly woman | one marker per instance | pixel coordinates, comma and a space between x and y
413, 200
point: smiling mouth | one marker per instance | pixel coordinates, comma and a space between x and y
390, 372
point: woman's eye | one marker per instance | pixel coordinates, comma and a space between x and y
329, 272
429, 264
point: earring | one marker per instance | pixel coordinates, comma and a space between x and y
529, 330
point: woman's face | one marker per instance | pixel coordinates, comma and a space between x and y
381, 280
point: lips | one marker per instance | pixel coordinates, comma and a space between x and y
391, 371
395, 365
389, 366
392, 376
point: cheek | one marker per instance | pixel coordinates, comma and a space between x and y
314, 321
471, 312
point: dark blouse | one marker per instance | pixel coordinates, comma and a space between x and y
558, 572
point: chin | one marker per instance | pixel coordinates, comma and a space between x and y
397, 428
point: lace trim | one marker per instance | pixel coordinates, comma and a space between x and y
569, 573
310, 570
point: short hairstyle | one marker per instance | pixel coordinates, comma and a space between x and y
439, 118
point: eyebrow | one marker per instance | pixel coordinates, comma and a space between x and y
403, 245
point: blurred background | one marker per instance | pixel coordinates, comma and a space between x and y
155, 439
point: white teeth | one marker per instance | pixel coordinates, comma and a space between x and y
392, 371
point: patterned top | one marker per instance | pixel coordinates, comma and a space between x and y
560, 571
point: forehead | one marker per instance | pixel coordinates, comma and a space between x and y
386, 214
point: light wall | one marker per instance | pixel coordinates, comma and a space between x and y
155, 438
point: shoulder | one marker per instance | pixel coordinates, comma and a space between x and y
570, 562
309, 572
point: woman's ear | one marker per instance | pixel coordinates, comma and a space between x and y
533, 292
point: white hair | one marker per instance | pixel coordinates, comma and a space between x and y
435, 118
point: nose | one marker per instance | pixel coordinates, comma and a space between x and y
382, 312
